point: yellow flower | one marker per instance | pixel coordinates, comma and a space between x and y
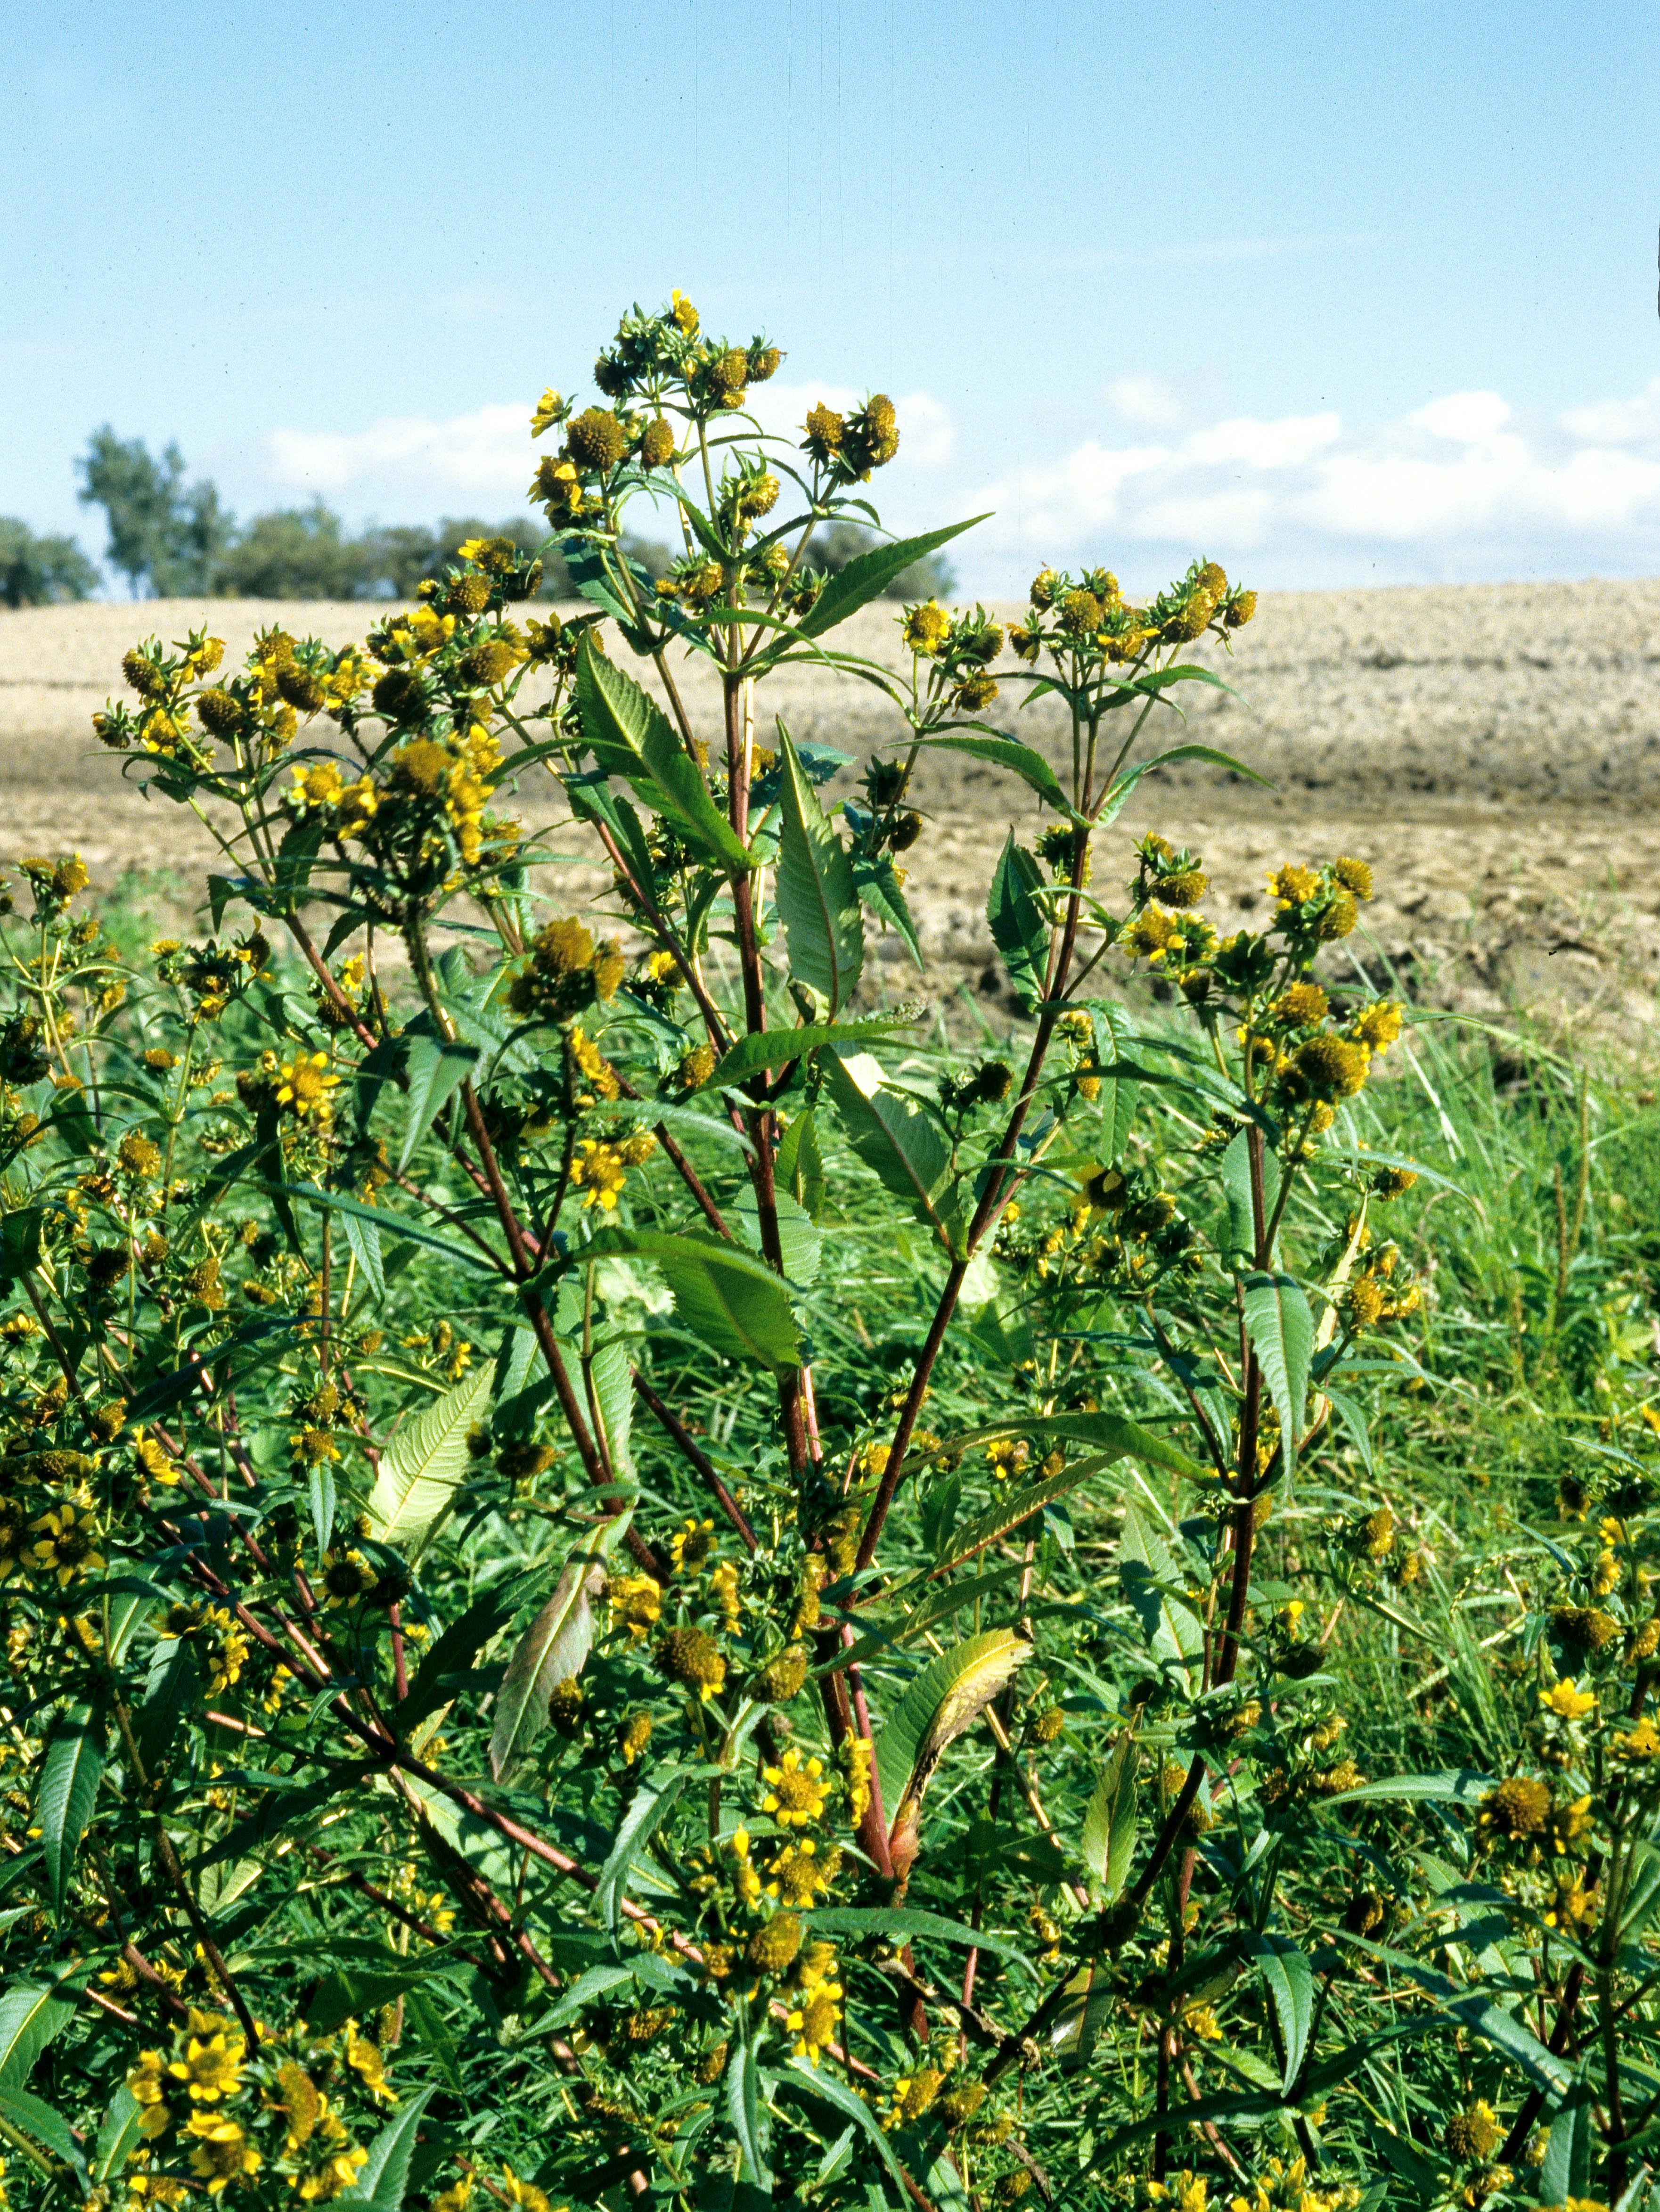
1566, 1702
914, 2096
1200, 2020
1293, 885
365, 2061
305, 1085
798, 1794
1007, 1455
860, 1753
148, 2079
690, 1544
65, 1545
1643, 1742
1606, 1575
525, 2194
814, 2021
221, 2153
635, 1603
598, 1173
801, 1873
211, 2067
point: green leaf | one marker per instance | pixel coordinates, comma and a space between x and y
1567, 2167
878, 884
799, 1168
799, 2079
1482, 2017
734, 1304
1282, 1332
1241, 1236
323, 1498
1152, 1584
119, 2134
1108, 1838
816, 899
553, 1650
385, 2174
363, 1239
1455, 1785
1114, 803
764, 1048
1018, 925
1113, 1433
41, 2124
801, 1244
437, 1067
648, 1809
425, 1464
899, 1141
906, 1921
169, 1685
1009, 1512
470, 1633
630, 737
745, 2110
31, 2013
1008, 752
433, 2036
396, 1226
1290, 1980
69, 1775
938, 1705
868, 575
611, 1376
20, 1245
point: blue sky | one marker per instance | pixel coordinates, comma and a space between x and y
1336, 296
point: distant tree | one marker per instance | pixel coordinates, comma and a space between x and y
38, 571
166, 536
299, 553
931, 578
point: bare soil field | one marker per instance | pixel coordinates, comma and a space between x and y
1492, 751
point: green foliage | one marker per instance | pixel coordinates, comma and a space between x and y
40, 570
167, 538
616, 1588
930, 577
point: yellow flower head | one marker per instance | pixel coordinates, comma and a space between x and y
690, 1544
1567, 1703
598, 1172
797, 1794
211, 2067
305, 1084
221, 2153
636, 1604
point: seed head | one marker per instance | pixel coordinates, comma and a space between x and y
596, 439
301, 688
1081, 614
1520, 1806
774, 1949
219, 713
686, 1655
657, 446
1240, 609
1331, 1068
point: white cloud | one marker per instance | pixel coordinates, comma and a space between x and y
1617, 422
489, 454
487, 451
1466, 417
1282, 445
1144, 399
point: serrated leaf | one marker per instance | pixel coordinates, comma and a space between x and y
1148, 1575
425, 1464
386, 2172
31, 2013
1118, 797
1113, 1433
735, 1304
630, 737
470, 1633
1018, 925
906, 1921
1008, 752
70, 1774
799, 2079
745, 2111
41, 2124
878, 884
1108, 1838
1008, 1512
611, 1376
363, 1241
119, 2133
937, 1705
1566, 2170
901, 1142
766, 1048
800, 1165
436, 1068
867, 575
648, 1809
553, 1650
799, 1244
1482, 2017
1235, 1166
1290, 1980
1282, 1332
816, 899
1455, 1785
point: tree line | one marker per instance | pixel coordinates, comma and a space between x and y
170, 537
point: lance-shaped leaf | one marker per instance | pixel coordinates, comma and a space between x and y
778, 1047
746, 2111
735, 1304
425, 1464
630, 737
1154, 1588
800, 1245
878, 880
119, 2133
938, 1705
1112, 1433
437, 1069
799, 1166
1241, 1232
1008, 752
1008, 1512
868, 575
1109, 1837
609, 1373
816, 896
899, 1141
648, 1809
385, 2174
69, 1775
1114, 804
553, 1650
1017, 925
1282, 1332
1290, 1980
820, 2086
31, 2013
